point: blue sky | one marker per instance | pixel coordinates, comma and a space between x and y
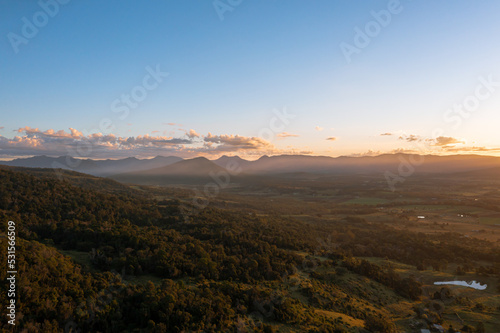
227, 76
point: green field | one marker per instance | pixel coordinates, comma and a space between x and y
367, 201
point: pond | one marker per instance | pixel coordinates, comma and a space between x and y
472, 284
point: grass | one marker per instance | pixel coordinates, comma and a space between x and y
345, 318
489, 220
489, 297
367, 201
80, 257
450, 209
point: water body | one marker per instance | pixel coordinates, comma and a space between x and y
473, 284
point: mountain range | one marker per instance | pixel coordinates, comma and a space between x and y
101, 168
172, 169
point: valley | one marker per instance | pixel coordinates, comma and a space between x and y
291, 252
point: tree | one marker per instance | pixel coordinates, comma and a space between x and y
378, 324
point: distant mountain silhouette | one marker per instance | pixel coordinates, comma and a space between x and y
369, 164
93, 167
171, 169
195, 170
233, 163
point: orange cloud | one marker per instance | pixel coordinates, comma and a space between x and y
192, 134
50, 132
286, 135
33, 141
470, 149
446, 140
410, 138
233, 142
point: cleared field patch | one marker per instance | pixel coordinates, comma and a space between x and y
470, 312
345, 318
367, 201
449, 209
80, 257
490, 220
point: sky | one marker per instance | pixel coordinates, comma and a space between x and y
113, 79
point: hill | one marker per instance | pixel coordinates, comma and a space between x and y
196, 170
369, 164
93, 167
232, 162
273, 263
171, 169
74, 178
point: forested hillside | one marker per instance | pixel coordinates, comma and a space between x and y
95, 255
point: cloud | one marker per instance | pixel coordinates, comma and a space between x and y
394, 151
332, 138
470, 149
50, 133
405, 151
445, 141
192, 134
2, 127
410, 138
146, 140
368, 153
155, 132
33, 141
173, 124
56, 143
318, 128
236, 142
286, 135
386, 134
